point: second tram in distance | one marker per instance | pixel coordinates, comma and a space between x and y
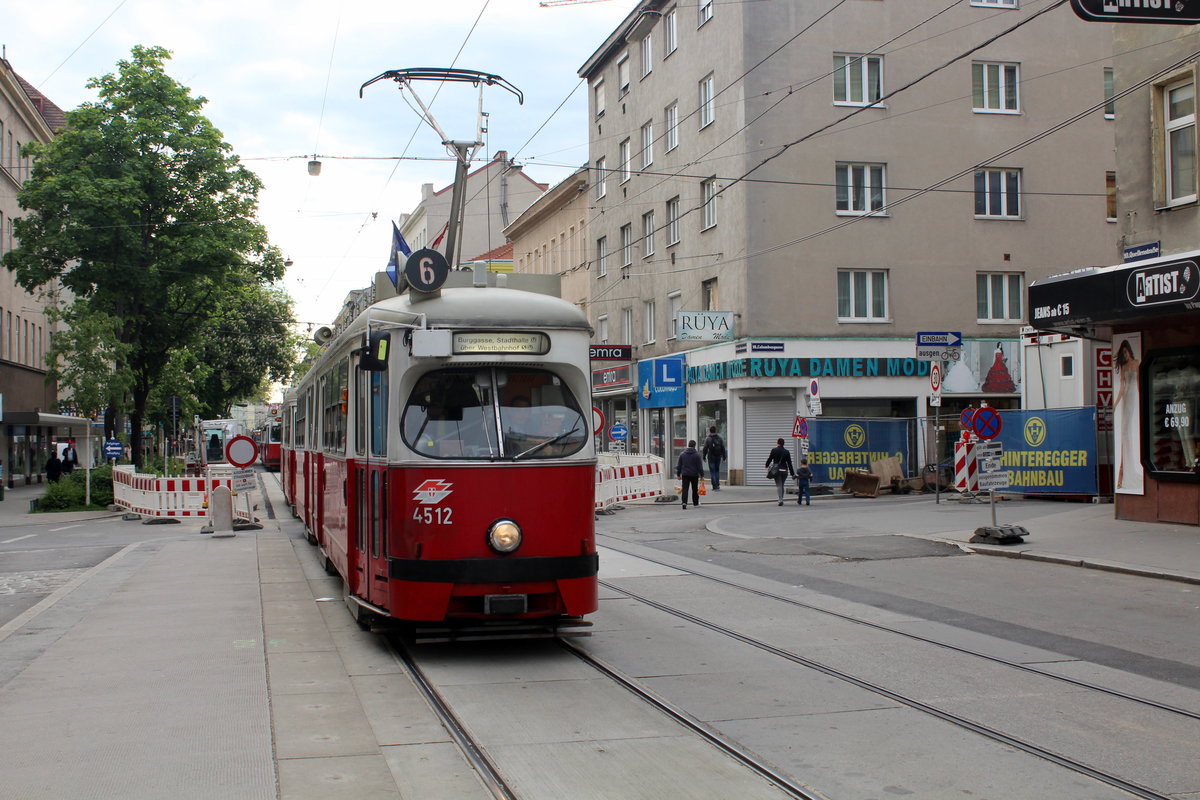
441, 456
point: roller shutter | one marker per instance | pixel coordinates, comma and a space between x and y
766, 420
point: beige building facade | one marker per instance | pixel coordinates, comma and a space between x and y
550, 237
28, 400
496, 194
813, 184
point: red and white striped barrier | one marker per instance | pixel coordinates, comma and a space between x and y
620, 478
966, 468
153, 496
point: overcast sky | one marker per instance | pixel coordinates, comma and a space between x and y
282, 78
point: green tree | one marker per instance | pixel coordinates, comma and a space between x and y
142, 212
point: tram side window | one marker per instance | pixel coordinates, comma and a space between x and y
539, 415
379, 413
299, 416
334, 400
450, 415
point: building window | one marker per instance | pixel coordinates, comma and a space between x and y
647, 55
598, 95
706, 107
708, 295
674, 306
1110, 105
602, 329
647, 144
1066, 366
623, 75
602, 256
706, 12
624, 155
670, 33
998, 193
672, 221
860, 188
998, 296
1179, 128
648, 321
994, 87
601, 177
626, 245
1110, 195
708, 204
648, 234
626, 326
862, 295
857, 79
671, 124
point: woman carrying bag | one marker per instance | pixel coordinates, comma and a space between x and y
779, 467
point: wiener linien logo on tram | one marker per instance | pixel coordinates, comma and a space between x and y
432, 491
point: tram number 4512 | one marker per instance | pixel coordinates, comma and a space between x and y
432, 516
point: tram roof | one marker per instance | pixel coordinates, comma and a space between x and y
485, 307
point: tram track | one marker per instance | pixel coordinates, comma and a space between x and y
489, 774
972, 726
1066, 679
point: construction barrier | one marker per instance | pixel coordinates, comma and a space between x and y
966, 468
620, 478
154, 496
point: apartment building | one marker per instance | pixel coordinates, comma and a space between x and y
28, 402
784, 192
550, 237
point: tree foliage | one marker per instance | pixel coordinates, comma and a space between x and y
141, 211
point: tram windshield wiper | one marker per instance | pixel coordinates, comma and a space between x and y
546, 443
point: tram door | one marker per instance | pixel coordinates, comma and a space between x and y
371, 441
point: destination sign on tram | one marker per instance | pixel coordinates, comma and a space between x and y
501, 342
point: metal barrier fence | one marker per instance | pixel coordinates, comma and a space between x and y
627, 477
154, 496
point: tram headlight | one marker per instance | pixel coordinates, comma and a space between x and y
504, 536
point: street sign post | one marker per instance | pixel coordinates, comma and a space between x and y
939, 345
935, 384
986, 423
800, 428
113, 448
814, 397
241, 451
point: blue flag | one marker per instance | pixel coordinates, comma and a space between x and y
398, 246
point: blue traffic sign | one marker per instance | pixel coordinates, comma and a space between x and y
986, 423
939, 339
618, 432
113, 448
965, 417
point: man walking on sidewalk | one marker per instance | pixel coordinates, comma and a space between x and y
714, 453
688, 469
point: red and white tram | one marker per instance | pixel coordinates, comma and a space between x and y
440, 454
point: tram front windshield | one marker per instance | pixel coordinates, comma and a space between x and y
493, 413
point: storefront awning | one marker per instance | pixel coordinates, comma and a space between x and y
1090, 303
40, 419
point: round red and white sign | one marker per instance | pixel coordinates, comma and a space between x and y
935, 377
241, 451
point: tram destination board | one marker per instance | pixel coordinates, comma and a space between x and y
1158, 12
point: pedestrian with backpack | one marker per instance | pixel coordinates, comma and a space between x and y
714, 454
